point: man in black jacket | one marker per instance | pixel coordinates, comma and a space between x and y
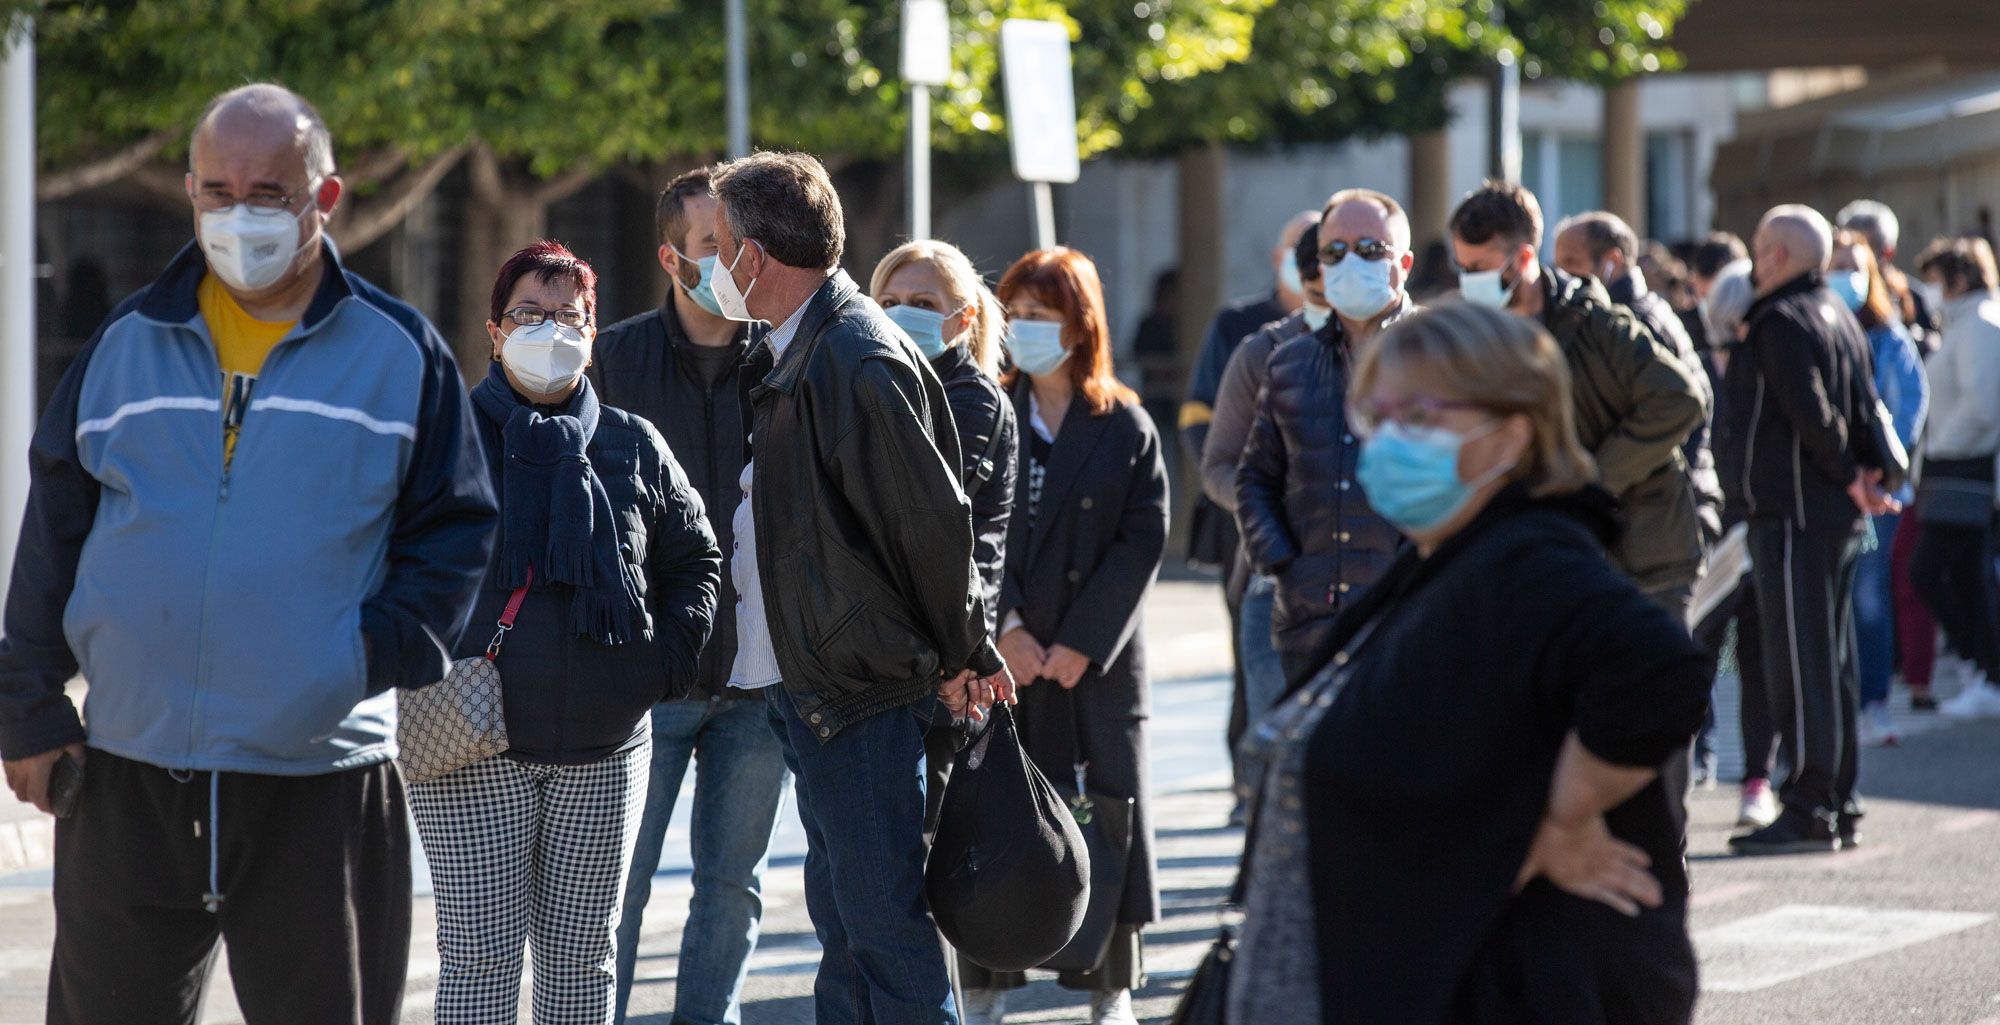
676, 366
1797, 406
854, 554
1636, 402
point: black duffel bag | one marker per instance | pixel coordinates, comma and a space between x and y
1009, 877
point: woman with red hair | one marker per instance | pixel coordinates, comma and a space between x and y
1083, 545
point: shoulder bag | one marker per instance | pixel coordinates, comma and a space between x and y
459, 720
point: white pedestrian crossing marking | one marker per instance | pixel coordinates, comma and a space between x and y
1796, 940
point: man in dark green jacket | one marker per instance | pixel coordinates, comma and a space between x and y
1636, 402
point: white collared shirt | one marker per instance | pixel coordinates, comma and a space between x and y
756, 665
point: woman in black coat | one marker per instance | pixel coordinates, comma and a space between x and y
1462, 818
604, 545
1088, 531
931, 291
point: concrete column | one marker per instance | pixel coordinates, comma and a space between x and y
1625, 154
1430, 186
17, 280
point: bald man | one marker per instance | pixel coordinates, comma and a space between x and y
258, 507
1792, 442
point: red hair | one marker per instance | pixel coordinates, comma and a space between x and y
1065, 280
548, 260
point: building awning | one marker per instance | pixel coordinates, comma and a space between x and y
1763, 35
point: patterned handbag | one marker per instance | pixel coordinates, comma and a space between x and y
458, 720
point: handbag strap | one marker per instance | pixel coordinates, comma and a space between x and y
509, 614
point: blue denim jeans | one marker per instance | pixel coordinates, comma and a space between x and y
861, 800
1875, 613
739, 781
1263, 668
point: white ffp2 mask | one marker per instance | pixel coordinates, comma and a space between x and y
250, 251
546, 358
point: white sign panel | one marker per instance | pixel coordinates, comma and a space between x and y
926, 42
1041, 100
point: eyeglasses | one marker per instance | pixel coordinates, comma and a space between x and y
535, 316
1367, 249
263, 204
1366, 413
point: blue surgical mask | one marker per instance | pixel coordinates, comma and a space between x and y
925, 327
1316, 315
703, 292
1484, 287
1411, 474
1359, 288
1851, 286
1036, 346
1288, 277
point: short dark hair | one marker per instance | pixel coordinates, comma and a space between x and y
1966, 262
547, 260
1604, 232
1306, 253
1498, 209
670, 213
787, 203
1718, 250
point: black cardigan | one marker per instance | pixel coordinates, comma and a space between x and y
1431, 771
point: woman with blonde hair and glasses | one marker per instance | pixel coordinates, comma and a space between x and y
1462, 818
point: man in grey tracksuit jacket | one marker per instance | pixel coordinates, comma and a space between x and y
242, 614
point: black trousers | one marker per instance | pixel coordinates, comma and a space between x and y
1952, 570
1760, 730
1805, 607
306, 879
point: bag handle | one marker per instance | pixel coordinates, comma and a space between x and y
509, 614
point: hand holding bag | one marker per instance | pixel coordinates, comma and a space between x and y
459, 720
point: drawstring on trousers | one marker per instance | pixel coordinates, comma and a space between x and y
212, 900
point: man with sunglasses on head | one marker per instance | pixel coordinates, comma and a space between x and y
258, 506
1305, 520
1636, 401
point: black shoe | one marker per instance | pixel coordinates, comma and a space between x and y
1923, 702
1795, 832
1848, 830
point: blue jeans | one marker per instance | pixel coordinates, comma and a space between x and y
1263, 669
861, 800
739, 786
1875, 613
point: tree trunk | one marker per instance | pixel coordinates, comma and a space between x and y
1203, 243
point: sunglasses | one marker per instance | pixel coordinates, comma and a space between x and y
1367, 249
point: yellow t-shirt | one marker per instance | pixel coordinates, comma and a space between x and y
241, 343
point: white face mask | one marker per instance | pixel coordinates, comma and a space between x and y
1484, 288
251, 251
735, 304
1359, 288
546, 358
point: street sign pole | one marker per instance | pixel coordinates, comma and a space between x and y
1041, 113
736, 77
926, 63
17, 278
1044, 201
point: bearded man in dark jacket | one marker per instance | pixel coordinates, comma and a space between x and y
1636, 401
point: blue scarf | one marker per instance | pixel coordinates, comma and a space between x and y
554, 512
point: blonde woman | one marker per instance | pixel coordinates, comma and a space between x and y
1477, 830
931, 291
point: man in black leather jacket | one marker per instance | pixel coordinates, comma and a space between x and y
863, 605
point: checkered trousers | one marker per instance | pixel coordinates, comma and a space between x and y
535, 854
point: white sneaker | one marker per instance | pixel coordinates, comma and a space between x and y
1877, 728
1952, 675
1760, 806
1978, 701
985, 1006
1112, 1008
